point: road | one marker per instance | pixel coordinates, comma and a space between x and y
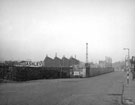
100, 90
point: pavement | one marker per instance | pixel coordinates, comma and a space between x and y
100, 90
129, 92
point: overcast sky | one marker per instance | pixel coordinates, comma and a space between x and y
30, 29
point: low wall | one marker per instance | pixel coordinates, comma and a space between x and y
98, 71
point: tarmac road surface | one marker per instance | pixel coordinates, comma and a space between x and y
100, 90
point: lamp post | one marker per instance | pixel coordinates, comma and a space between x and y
133, 64
128, 55
128, 65
126, 59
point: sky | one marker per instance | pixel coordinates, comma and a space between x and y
32, 29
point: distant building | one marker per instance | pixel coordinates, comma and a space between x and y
23, 63
73, 61
108, 62
119, 66
79, 70
36, 64
102, 64
40, 63
11, 63
48, 62
94, 65
57, 62
65, 62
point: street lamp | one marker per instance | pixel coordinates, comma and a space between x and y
128, 52
128, 64
126, 59
128, 56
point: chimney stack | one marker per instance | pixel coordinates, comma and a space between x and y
86, 52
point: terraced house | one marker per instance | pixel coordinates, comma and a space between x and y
57, 62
